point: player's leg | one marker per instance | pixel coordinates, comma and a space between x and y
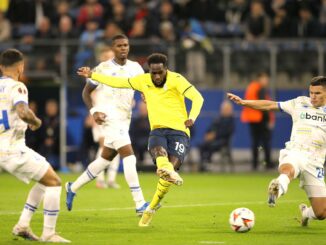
130, 172
314, 185
22, 228
51, 205
317, 210
112, 172
100, 178
93, 169
279, 186
48, 188
177, 147
289, 170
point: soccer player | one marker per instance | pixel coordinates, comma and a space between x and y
108, 179
304, 154
21, 161
164, 92
114, 114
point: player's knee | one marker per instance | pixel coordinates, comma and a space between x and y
54, 180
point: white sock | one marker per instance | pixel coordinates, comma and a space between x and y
131, 176
284, 182
93, 169
33, 201
113, 169
101, 177
51, 209
309, 213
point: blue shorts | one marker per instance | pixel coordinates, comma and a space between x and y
175, 142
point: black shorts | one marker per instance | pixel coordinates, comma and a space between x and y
175, 142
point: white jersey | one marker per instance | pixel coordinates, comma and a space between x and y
116, 103
12, 128
309, 127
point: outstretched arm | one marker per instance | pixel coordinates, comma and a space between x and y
262, 105
115, 82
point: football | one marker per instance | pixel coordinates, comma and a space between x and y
242, 220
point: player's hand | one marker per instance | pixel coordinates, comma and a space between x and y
36, 125
189, 123
236, 99
99, 117
85, 72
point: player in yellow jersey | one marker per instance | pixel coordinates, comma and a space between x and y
168, 143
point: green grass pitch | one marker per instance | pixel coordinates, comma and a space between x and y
196, 213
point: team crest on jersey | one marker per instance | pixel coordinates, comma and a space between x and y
21, 91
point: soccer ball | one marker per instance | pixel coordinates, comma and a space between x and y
242, 220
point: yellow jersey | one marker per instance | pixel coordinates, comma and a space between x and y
166, 105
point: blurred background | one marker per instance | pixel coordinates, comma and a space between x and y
218, 45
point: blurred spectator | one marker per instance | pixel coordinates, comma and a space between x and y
164, 14
322, 16
308, 25
195, 40
139, 131
258, 24
33, 137
167, 32
29, 12
65, 32
137, 10
261, 123
204, 10
62, 9
66, 29
89, 11
87, 41
44, 30
90, 35
218, 135
282, 25
118, 16
50, 133
138, 29
110, 30
104, 53
5, 28
235, 15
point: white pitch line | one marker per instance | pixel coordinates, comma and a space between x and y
211, 242
168, 206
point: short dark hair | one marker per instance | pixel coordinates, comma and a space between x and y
117, 37
10, 57
157, 58
318, 81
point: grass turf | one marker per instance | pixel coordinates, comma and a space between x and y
196, 213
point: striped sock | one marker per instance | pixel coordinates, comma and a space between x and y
34, 199
93, 169
51, 209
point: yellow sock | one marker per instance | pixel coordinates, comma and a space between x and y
161, 189
163, 162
